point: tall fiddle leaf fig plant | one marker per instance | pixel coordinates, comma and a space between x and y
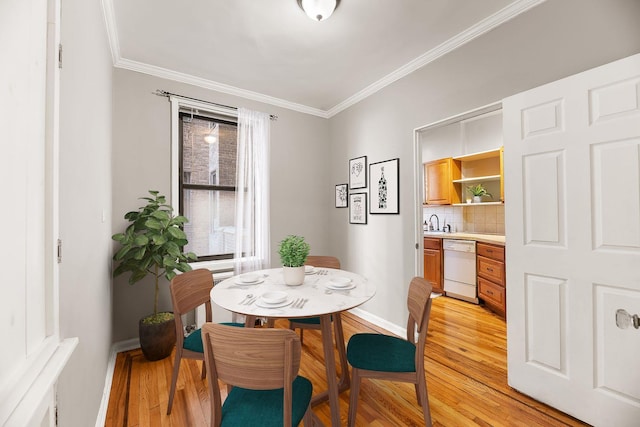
152, 245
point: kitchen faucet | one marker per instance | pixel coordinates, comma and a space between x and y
437, 221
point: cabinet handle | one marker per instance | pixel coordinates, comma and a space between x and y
490, 292
490, 251
490, 270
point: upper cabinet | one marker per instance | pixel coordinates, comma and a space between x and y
440, 176
461, 154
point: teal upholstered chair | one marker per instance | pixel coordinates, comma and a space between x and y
260, 367
188, 291
313, 322
388, 357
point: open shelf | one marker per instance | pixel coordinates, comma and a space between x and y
478, 179
478, 204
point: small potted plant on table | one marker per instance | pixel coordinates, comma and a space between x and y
152, 245
293, 252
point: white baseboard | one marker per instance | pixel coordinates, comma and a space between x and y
379, 321
111, 366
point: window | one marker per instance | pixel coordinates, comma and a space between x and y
207, 191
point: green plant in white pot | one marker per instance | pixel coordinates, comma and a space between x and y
293, 252
152, 245
478, 191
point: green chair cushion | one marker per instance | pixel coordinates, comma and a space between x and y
263, 408
307, 320
194, 341
376, 352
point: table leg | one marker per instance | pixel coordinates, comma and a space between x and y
344, 365
330, 364
249, 321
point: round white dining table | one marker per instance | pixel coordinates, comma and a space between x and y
322, 294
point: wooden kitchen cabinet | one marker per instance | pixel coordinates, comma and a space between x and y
433, 262
492, 285
439, 176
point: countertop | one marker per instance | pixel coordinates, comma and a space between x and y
487, 238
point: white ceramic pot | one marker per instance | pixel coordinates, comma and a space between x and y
293, 276
477, 199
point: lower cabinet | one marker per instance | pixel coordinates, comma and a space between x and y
433, 262
492, 285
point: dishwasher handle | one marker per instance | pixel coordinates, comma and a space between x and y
459, 245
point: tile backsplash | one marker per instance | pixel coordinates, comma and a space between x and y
468, 219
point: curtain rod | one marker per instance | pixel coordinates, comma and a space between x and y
160, 92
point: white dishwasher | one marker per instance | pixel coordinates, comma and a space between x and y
460, 269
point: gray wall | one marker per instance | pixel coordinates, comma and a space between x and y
554, 40
300, 187
85, 209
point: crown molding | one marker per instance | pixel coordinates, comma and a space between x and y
471, 33
112, 30
164, 73
484, 26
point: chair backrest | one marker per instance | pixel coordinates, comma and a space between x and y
323, 261
256, 359
419, 305
188, 291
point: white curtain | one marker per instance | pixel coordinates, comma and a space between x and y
252, 192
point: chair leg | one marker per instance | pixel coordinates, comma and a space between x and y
423, 399
308, 418
204, 370
301, 336
174, 380
353, 398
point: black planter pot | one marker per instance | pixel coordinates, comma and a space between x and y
157, 339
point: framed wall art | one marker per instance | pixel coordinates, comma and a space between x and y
358, 208
358, 173
385, 187
342, 200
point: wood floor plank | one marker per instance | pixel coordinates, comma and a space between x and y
465, 363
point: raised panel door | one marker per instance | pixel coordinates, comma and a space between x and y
439, 176
572, 155
433, 268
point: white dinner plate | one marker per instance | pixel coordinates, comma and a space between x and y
239, 281
310, 269
274, 297
330, 285
340, 282
263, 304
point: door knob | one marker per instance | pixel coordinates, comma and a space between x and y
624, 319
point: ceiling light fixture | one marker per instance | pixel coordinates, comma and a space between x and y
318, 10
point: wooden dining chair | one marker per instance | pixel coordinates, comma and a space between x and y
260, 368
313, 322
190, 290
386, 357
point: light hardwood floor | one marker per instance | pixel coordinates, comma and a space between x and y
465, 361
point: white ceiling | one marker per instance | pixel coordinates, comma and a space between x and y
269, 50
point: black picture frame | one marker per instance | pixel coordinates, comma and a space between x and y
358, 172
358, 208
385, 187
342, 195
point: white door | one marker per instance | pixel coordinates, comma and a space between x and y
32, 355
572, 182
